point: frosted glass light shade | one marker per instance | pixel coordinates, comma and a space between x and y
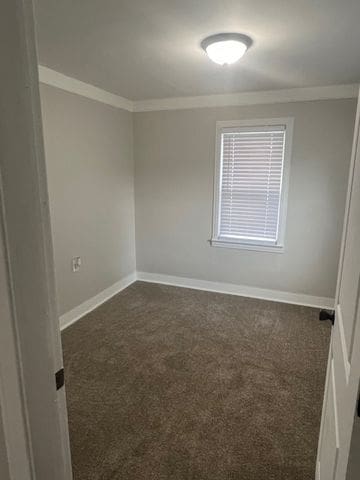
226, 48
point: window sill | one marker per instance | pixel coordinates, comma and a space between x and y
246, 246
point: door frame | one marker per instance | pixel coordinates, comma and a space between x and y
355, 146
33, 417
337, 332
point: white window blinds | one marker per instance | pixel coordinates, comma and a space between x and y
250, 183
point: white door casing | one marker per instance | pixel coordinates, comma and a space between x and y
33, 411
343, 370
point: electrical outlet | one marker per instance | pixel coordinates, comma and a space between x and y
76, 264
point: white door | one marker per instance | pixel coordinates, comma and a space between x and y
343, 371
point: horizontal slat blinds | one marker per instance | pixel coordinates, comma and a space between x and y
252, 161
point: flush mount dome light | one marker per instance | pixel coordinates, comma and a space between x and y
226, 48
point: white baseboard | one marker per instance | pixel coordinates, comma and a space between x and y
229, 288
76, 313
241, 290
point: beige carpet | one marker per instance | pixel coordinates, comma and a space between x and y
166, 383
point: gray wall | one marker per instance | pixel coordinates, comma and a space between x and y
91, 185
174, 164
89, 158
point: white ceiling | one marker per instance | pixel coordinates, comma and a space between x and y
144, 49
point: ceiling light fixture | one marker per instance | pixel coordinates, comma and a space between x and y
226, 48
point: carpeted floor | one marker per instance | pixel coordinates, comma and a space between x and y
167, 383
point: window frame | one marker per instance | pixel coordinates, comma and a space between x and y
216, 240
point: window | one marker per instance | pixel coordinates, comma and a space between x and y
251, 180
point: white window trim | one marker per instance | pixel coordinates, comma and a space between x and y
215, 241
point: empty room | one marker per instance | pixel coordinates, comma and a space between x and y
180, 253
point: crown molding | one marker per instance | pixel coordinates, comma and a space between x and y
249, 98
69, 84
